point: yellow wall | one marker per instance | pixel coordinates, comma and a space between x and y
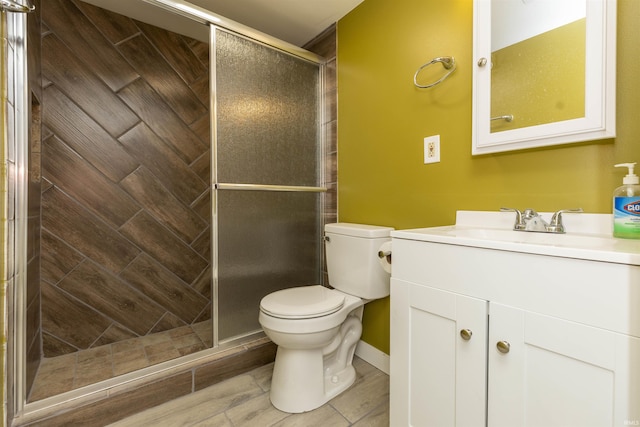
382, 119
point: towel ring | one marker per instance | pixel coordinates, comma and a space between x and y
448, 62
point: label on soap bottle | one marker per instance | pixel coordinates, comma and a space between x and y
626, 217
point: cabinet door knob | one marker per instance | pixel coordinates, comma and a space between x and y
503, 347
482, 62
466, 334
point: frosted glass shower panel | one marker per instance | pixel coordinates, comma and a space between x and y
266, 241
267, 105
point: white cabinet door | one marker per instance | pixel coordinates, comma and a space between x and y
559, 373
438, 375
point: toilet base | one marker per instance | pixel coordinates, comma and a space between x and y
299, 383
305, 379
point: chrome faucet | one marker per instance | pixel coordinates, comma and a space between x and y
530, 220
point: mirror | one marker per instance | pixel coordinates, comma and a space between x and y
544, 73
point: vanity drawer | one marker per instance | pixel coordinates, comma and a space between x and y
600, 294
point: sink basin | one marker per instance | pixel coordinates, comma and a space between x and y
493, 230
567, 240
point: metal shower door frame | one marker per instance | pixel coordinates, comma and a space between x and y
217, 186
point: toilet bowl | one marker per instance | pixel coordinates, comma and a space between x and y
317, 328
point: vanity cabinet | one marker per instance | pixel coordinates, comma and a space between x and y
492, 337
438, 378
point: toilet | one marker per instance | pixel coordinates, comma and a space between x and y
316, 328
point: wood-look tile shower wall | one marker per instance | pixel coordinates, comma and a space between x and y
126, 204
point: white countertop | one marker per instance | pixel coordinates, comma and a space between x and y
588, 236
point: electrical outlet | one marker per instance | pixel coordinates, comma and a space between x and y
432, 149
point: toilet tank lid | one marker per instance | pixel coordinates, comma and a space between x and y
358, 230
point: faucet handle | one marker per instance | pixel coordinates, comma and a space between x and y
556, 226
519, 224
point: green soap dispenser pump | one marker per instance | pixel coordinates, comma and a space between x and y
626, 205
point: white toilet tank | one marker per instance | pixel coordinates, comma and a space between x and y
352, 259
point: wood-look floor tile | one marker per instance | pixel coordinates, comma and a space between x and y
92, 373
178, 333
161, 352
126, 346
241, 401
129, 361
188, 341
207, 404
93, 354
219, 420
379, 417
125, 356
55, 376
190, 349
263, 375
204, 331
156, 338
60, 362
363, 369
321, 417
363, 397
123, 404
258, 411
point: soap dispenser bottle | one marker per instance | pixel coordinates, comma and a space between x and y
626, 205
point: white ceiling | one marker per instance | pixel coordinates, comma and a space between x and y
294, 21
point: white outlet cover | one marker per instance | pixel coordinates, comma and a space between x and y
432, 149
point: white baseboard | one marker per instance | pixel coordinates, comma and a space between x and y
372, 355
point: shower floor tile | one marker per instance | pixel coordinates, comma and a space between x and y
65, 373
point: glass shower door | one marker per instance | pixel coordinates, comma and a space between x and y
266, 172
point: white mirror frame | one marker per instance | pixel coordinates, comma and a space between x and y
600, 91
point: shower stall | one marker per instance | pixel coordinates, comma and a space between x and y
175, 176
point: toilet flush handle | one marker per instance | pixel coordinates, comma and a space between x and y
382, 254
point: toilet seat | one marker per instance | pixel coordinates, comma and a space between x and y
303, 302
